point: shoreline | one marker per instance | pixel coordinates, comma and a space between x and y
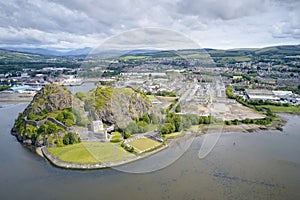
202, 130
92, 166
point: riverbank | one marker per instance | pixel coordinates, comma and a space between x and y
241, 128
198, 131
15, 97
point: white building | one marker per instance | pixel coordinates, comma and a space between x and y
97, 126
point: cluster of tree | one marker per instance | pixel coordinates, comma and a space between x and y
140, 124
266, 102
205, 80
251, 103
66, 117
80, 121
112, 72
128, 148
70, 138
264, 121
178, 108
176, 123
229, 92
2, 88
166, 93
33, 132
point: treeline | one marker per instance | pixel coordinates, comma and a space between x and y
2, 88
254, 104
7, 67
177, 123
140, 125
166, 93
58, 134
65, 116
263, 121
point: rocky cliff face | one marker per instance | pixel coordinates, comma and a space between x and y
48, 99
123, 106
54, 110
38, 125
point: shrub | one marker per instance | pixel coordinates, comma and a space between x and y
69, 138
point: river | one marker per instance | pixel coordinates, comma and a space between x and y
260, 165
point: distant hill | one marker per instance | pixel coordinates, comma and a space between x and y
51, 52
284, 50
242, 54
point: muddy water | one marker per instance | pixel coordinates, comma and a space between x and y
259, 165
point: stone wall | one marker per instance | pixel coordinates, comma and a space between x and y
41, 122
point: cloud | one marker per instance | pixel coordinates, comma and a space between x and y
213, 23
225, 10
289, 27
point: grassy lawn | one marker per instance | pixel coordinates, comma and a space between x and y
172, 135
151, 97
283, 109
143, 144
90, 152
133, 57
164, 99
116, 135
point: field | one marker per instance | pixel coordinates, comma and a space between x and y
144, 144
133, 57
90, 152
283, 109
221, 110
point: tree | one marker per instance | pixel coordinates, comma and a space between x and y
228, 122
146, 119
177, 121
69, 122
132, 128
126, 135
206, 120
167, 128
52, 128
81, 95
186, 123
178, 108
60, 117
32, 116
229, 92
142, 126
66, 140
193, 119
69, 138
246, 121
154, 119
235, 121
42, 129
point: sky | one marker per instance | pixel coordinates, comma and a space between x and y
221, 24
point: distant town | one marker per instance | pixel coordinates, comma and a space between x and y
266, 78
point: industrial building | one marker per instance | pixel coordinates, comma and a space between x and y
275, 95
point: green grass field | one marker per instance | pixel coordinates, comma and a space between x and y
144, 144
90, 152
173, 135
283, 109
152, 97
116, 135
137, 57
